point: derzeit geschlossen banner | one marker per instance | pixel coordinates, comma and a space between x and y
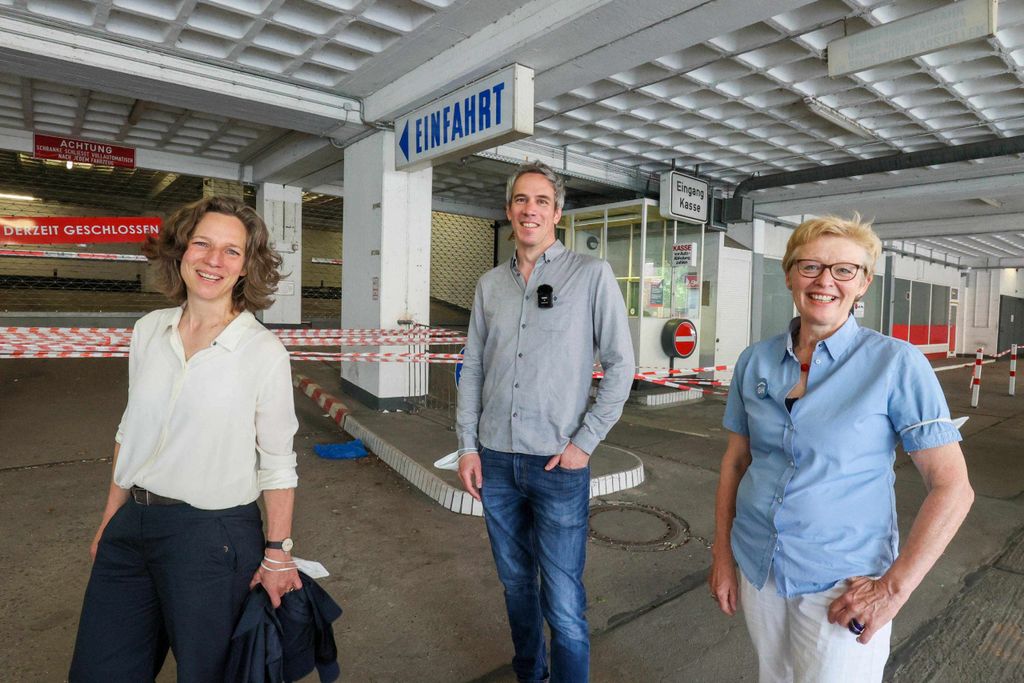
77, 229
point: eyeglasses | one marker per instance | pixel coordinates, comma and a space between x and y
840, 271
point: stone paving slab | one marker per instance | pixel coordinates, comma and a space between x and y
988, 615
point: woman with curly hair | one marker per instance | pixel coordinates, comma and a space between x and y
208, 429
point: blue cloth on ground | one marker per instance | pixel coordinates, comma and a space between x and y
341, 451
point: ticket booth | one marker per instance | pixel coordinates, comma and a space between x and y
658, 265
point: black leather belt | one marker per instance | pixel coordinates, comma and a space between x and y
144, 497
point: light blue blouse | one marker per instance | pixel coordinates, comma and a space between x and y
817, 502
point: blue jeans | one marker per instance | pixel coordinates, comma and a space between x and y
537, 520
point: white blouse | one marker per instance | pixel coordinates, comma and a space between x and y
214, 430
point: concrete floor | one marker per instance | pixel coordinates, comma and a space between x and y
417, 583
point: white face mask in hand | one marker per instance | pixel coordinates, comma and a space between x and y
448, 462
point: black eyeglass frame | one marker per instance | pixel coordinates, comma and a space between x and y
831, 269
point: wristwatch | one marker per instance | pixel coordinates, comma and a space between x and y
285, 545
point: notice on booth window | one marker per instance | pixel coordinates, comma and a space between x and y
684, 254
77, 229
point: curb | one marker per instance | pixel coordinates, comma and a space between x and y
449, 497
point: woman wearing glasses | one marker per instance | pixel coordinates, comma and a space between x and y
805, 504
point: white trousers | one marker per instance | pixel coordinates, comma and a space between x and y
796, 644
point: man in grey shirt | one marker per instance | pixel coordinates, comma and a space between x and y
524, 424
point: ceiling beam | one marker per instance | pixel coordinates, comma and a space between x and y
26, 104
292, 157
966, 226
689, 24
492, 47
464, 209
946, 190
33, 50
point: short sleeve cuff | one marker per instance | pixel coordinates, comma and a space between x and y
739, 426
930, 435
119, 437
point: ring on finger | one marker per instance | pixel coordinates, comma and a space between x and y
856, 628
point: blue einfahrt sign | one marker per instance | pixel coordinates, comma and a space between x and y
486, 113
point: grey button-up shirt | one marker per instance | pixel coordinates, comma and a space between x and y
527, 371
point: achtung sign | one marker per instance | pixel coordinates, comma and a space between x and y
82, 151
77, 229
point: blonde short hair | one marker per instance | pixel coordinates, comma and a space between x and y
853, 229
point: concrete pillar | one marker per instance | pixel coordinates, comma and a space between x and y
281, 208
386, 278
227, 188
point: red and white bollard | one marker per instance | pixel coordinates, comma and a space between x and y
1013, 369
976, 382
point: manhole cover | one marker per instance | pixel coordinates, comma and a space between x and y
637, 527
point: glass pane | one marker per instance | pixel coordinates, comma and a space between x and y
619, 253
588, 228
685, 250
873, 305
778, 300
658, 270
901, 309
938, 332
920, 310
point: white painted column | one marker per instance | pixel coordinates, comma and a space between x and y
281, 208
386, 277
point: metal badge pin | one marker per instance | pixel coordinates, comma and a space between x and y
762, 388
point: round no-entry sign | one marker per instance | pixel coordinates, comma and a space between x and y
679, 338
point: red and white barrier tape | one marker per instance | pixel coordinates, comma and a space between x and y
682, 371
86, 255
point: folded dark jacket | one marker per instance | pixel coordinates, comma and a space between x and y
283, 645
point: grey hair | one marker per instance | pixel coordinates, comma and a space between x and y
542, 169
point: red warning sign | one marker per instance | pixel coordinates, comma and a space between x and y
77, 229
82, 151
685, 339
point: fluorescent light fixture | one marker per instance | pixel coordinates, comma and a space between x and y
845, 122
19, 197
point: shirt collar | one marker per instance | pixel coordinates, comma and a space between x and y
550, 254
230, 336
836, 344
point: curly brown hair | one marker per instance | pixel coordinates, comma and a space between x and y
254, 291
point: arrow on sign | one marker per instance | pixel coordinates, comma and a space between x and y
403, 142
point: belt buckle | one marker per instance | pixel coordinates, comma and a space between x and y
141, 499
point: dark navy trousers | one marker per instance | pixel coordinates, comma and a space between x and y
164, 576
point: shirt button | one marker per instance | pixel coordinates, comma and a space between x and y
515, 414
779, 499
524, 326
791, 463
516, 386
520, 355
817, 362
